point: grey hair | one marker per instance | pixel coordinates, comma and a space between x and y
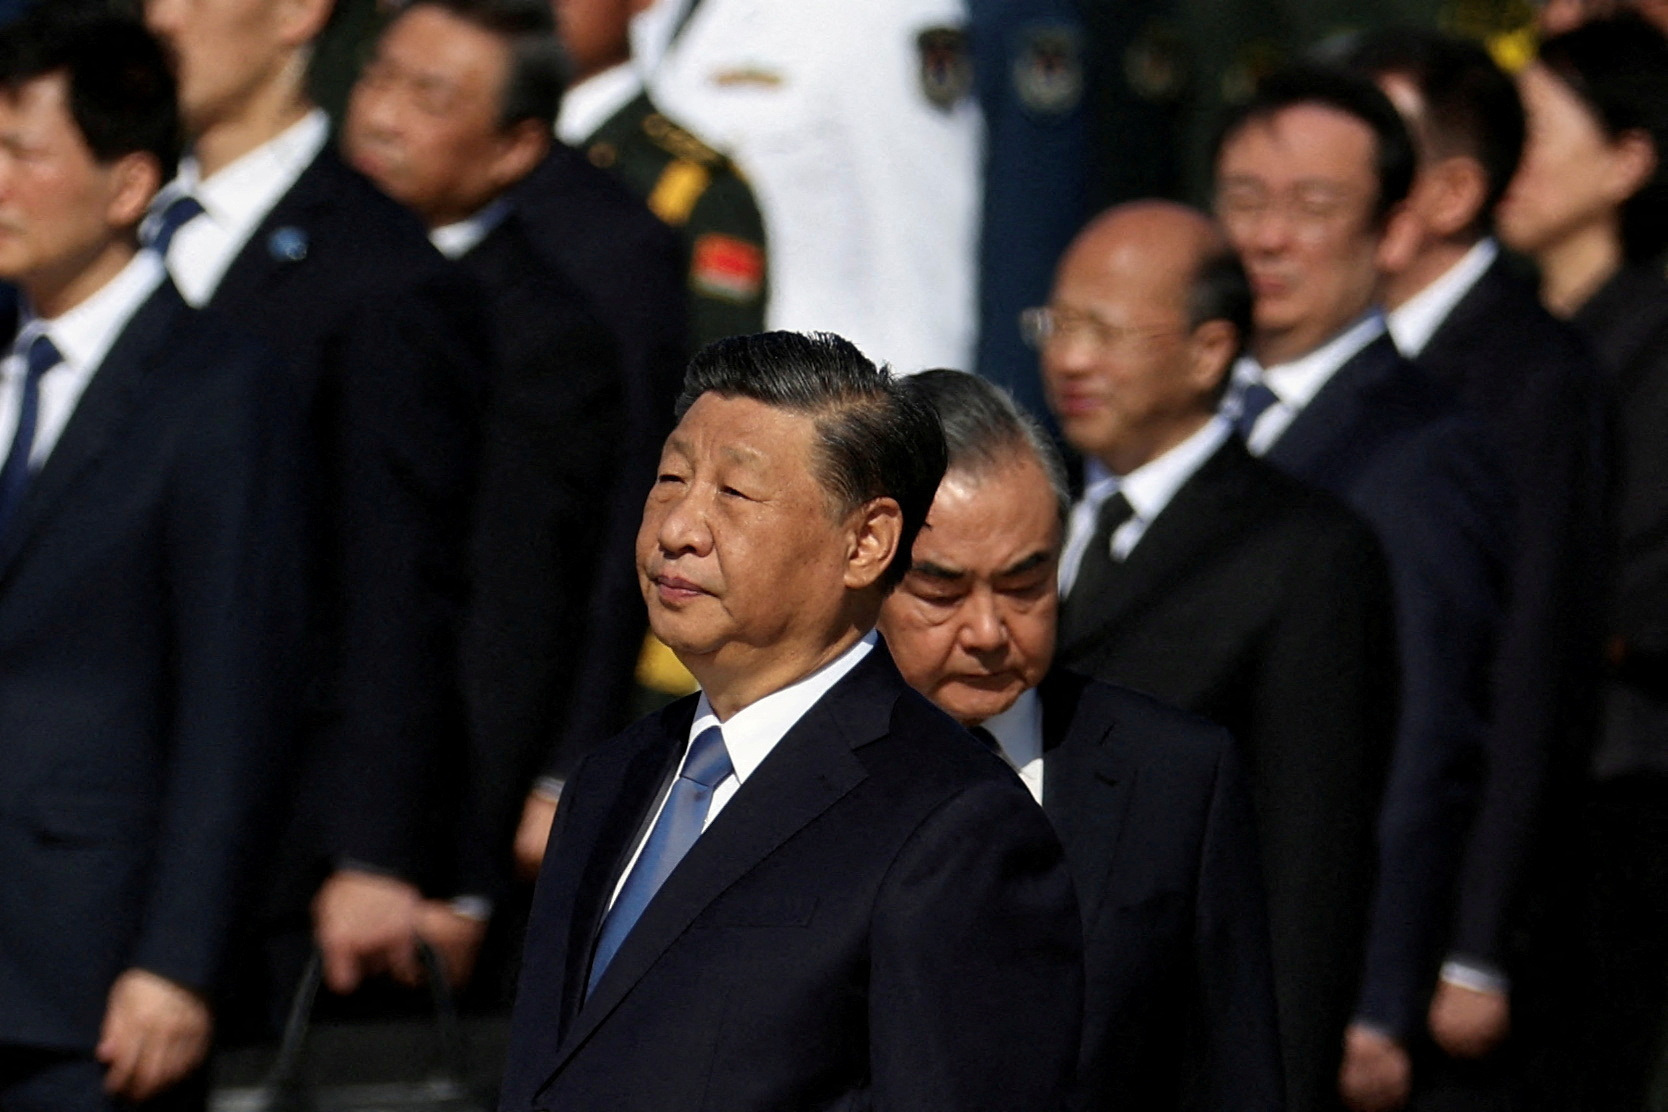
984, 428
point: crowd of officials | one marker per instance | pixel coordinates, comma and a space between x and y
324, 447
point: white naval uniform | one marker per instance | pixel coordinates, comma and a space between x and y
870, 192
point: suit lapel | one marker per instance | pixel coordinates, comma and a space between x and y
1208, 507
281, 242
810, 769
1087, 786
99, 416
1335, 416
636, 790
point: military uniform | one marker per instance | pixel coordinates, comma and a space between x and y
697, 190
854, 122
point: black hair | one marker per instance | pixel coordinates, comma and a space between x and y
875, 439
984, 427
121, 91
1618, 68
538, 66
1470, 106
1342, 91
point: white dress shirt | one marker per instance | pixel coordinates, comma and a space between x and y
1019, 732
1148, 489
83, 336
593, 102
752, 732
234, 201
1296, 383
1413, 325
870, 194
457, 240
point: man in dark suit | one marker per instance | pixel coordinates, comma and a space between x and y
805, 887
1169, 569
1311, 175
1151, 804
143, 500
1457, 310
390, 349
554, 421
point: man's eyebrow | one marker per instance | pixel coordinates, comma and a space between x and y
1030, 563
935, 571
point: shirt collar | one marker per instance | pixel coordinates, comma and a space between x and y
1150, 487
1413, 325
239, 196
753, 731
85, 334
593, 102
1018, 730
1297, 382
457, 240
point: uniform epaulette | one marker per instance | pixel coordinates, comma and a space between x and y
680, 143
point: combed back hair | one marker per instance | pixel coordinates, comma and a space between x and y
1618, 68
1394, 160
120, 88
538, 66
875, 438
1471, 107
984, 428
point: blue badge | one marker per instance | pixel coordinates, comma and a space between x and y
288, 245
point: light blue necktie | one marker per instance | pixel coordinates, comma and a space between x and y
14, 475
704, 768
1254, 401
179, 212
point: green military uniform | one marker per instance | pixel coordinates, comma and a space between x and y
701, 193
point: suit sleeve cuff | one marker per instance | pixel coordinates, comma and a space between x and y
550, 787
1478, 976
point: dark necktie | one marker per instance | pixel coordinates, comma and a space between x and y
1094, 571
1254, 401
14, 474
179, 212
679, 824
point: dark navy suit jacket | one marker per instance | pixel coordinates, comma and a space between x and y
1395, 445
1533, 382
633, 269
1154, 811
139, 582
391, 351
881, 917
1264, 605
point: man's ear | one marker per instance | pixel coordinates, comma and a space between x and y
519, 150
1399, 244
135, 179
1212, 344
876, 530
1452, 194
303, 21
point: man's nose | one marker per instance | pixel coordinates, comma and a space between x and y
684, 524
982, 629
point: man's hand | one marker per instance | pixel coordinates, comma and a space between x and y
155, 1033
1468, 1022
1377, 1074
533, 834
455, 937
365, 924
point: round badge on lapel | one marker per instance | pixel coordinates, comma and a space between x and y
288, 245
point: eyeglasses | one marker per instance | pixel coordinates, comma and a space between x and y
1044, 325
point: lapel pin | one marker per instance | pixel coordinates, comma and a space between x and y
288, 244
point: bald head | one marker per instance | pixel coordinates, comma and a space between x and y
1157, 244
1148, 312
